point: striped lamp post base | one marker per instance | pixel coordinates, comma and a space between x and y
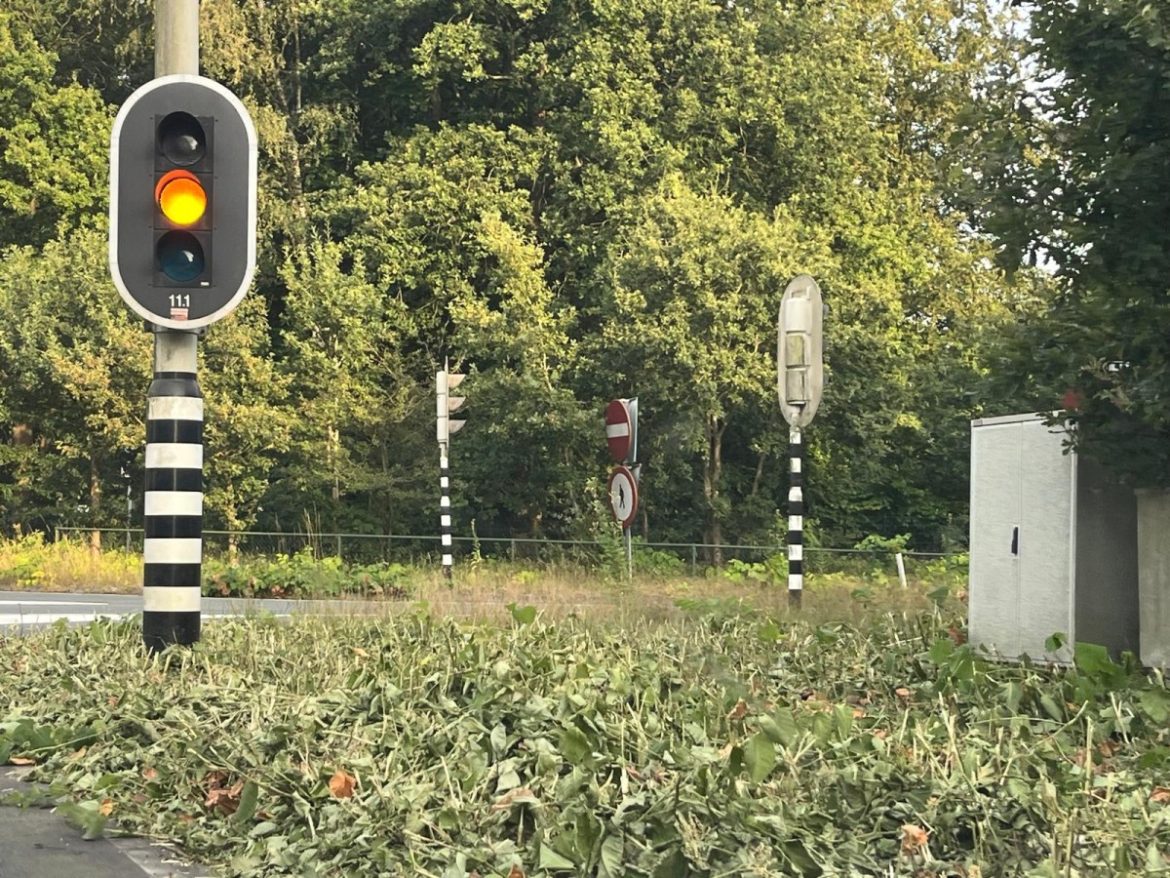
445, 513
173, 504
795, 517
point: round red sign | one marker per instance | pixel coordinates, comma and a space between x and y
619, 433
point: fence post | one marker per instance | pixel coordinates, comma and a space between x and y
694, 559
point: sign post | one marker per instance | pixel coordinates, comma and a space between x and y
800, 381
182, 253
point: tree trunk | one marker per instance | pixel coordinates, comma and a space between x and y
95, 505
712, 473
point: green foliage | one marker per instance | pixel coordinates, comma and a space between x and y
572, 201
304, 575
772, 571
697, 749
1079, 175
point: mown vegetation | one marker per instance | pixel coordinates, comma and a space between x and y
731, 742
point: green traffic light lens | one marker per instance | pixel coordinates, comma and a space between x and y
180, 256
181, 139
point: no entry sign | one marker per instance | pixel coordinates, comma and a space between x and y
623, 495
620, 423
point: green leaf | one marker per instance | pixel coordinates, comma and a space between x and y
247, 808
941, 650
780, 727
672, 865
262, 829
760, 756
525, 615
1051, 707
550, 859
575, 746
611, 858
1155, 703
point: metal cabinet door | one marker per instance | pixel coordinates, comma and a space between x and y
996, 505
1048, 483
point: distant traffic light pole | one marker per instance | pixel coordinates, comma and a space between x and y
800, 380
445, 404
182, 172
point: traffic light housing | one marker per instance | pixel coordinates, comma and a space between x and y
800, 351
446, 404
182, 202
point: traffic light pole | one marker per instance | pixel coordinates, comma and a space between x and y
445, 510
795, 517
173, 502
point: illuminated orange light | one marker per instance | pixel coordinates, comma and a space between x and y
181, 197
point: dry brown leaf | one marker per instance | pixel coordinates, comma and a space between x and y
224, 800
149, 773
509, 798
516, 871
113, 700
1108, 748
21, 760
738, 712
914, 838
341, 784
957, 636
902, 692
1161, 795
106, 808
858, 713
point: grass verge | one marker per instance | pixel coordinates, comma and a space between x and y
727, 742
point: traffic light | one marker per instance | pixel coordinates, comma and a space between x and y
799, 355
444, 382
182, 201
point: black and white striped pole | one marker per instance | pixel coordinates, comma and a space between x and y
446, 425
795, 516
182, 253
173, 504
800, 380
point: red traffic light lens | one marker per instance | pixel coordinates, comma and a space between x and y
180, 256
181, 139
181, 197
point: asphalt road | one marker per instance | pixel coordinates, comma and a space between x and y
25, 609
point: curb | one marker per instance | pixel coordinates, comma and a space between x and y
35, 842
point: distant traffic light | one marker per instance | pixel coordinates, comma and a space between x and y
182, 201
446, 404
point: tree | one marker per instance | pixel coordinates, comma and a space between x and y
76, 367
1083, 181
54, 144
691, 324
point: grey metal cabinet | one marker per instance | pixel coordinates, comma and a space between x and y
1053, 544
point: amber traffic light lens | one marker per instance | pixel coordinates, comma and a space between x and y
181, 139
180, 256
181, 198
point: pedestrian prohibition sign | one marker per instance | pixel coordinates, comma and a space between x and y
623, 495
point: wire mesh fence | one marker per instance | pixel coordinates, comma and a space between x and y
681, 557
